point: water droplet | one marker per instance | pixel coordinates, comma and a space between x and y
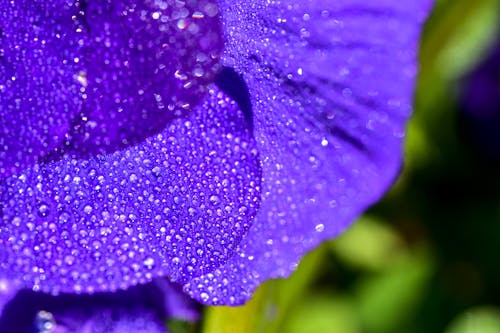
64, 217
149, 262
87, 209
69, 259
43, 210
204, 296
214, 199
45, 322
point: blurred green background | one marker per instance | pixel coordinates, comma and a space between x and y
426, 258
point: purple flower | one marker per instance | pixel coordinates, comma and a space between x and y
480, 104
138, 309
210, 142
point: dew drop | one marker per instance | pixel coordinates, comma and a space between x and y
87, 209
204, 296
319, 227
45, 322
64, 217
214, 199
43, 210
149, 262
69, 259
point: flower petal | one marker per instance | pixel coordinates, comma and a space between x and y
331, 85
38, 92
176, 304
480, 104
145, 63
96, 76
7, 292
175, 205
138, 309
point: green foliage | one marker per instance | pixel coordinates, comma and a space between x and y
323, 312
381, 245
387, 300
478, 320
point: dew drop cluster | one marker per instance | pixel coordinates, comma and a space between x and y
89, 77
175, 205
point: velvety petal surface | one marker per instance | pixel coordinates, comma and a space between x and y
141, 309
331, 86
175, 205
96, 76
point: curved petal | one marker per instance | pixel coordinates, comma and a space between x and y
138, 309
331, 84
39, 94
97, 76
175, 205
145, 63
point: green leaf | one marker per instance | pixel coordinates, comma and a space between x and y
388, 299
460, 31
368, 244
322, 313
477, 320
242, 319
458, 34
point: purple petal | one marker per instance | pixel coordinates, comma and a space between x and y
7, 292
480, 104
331, 84
145, 63
177, 304
175, 205
138, 309
97, 76
38, 92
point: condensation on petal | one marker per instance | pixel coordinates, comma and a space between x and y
176, 205
39, 95
144, 63
331, 86
89, 77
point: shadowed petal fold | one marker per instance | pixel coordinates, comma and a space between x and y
331, 86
